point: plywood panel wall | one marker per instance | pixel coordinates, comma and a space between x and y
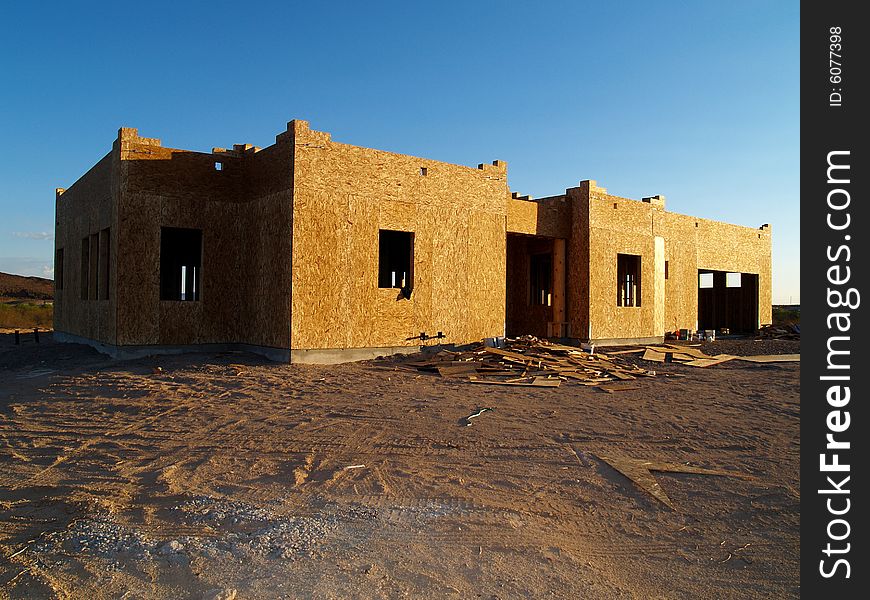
343, 195
86, 208
246, 223
621, 225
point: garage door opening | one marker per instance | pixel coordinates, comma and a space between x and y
727, 300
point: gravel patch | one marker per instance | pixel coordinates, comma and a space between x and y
238, 530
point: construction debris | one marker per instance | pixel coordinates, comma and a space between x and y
691, 356
467, 420
521, 381
610, 389
779, 332
768, 358
640, 473
530, 362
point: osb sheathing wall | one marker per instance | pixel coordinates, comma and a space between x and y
626, 229
578, 261
268, 245
292, 231
549, 217
86, 208
620, 225
712, 245
245, 213
343, 195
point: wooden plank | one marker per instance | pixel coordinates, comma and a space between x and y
666, 467
687, 350
561, 347
640, 475
769, 358
620, 374
536, 382
709, 362
457, 369
507, 354
574, 375
610, 389
654, 355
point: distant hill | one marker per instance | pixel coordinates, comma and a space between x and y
18, 286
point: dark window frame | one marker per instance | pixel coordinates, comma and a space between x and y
395, 259
181, 251
104, 262
93, 266
628, 280
85, 267
541, 279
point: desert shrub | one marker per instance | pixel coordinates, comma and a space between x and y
26, 316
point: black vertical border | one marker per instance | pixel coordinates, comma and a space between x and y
826, 128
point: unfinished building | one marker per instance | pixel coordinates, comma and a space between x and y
311, 250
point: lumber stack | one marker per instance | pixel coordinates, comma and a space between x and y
687, 355
530, 362
693, 357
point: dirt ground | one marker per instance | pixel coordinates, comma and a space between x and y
227, 476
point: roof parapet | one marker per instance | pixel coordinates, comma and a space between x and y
496, 165
657, 200
131, 134
301, 131
238, 150
590, 185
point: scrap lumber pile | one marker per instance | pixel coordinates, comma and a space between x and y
779, 332
693, 357
680, 353
531, 362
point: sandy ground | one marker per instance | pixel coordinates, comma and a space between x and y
221, 476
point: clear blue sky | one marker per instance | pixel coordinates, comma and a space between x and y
694, 100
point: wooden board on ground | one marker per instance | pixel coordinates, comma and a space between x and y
654, 355
576, 375
687, 350
520, 361
536, 382
563, 348
610, 389
640, 472
640, 476
457, 369
511, 355
710, 361
769, 358
620, 374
